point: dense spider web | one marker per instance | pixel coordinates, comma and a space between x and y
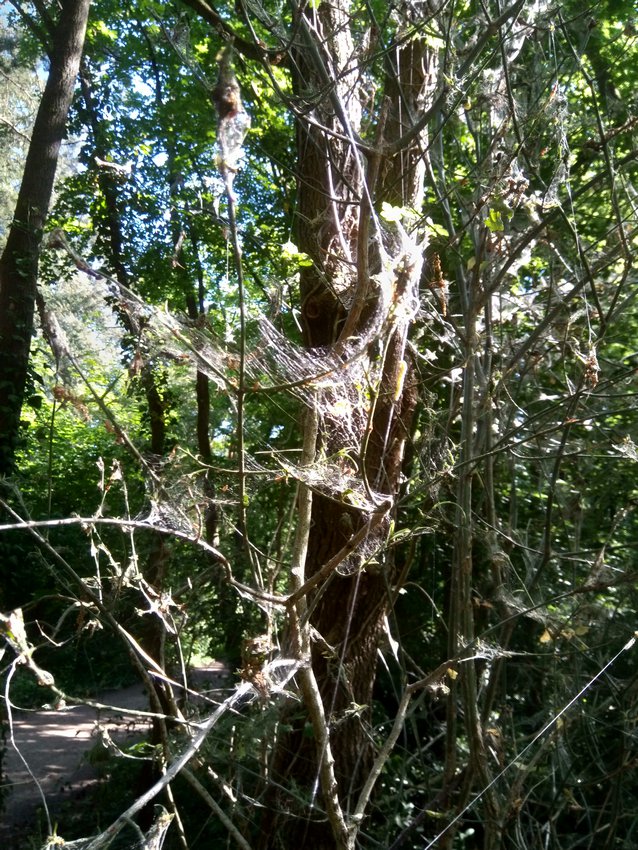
340, 384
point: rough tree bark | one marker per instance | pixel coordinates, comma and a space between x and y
19, 261
341, 183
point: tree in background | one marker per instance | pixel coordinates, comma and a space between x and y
406, 297
20, 96
19, 261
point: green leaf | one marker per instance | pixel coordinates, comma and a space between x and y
101, 28
290, 252
433, 229
494, 221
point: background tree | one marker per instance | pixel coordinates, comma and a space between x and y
19, 99
19, 261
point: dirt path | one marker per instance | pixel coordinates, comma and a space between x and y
54, 745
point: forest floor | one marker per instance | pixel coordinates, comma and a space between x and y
57, 756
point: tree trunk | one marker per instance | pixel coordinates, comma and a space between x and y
339, 189
19, 261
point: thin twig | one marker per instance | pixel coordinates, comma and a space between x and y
192, 780
330, 566
107, 835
